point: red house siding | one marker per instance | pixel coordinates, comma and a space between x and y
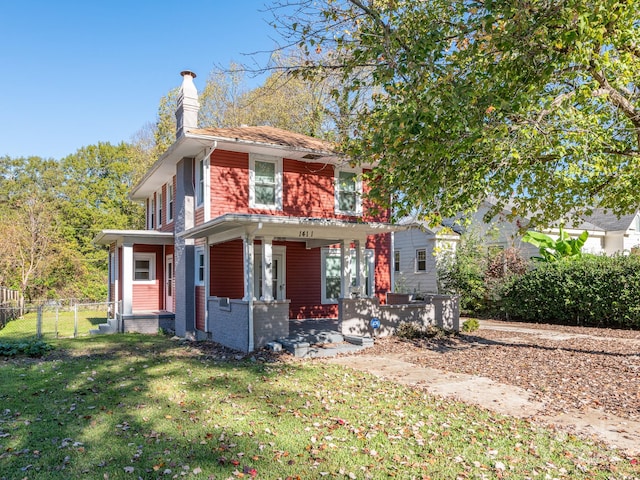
150, 296
308, 189
227, 272
200, 308
304, 272
229, 182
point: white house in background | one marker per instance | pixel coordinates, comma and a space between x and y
415, 249
608, 234
414, 255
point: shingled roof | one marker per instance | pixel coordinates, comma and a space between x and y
268, 136
609, 222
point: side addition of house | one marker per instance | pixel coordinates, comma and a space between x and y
246, 228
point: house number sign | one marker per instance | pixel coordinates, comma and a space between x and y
305, 234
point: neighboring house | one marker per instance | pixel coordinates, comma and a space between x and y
247, 228
416, 249
415, 253
608, 234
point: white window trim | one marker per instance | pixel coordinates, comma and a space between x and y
253, 157
200, 178
170, 201
159, 207
323, 283
369, 264
151, 257
152, 212
416, 270
199, 251
336, 196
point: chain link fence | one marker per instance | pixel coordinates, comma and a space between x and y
55, 319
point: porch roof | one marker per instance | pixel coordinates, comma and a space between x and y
313, 231
149, 237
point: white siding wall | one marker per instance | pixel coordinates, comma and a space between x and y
407, 242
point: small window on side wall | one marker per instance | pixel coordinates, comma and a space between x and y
421, 260
144, 267
396, 261
199, 270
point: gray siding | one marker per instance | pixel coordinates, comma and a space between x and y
408, 280
230, 325
356, 314
270, 322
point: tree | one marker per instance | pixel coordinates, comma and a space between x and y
294, 103
534, 103
29, 232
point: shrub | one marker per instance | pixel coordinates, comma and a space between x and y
592, 290
462, 273
477, 275
36, 348
414, 331
470, 325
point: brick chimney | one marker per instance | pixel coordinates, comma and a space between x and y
188, 105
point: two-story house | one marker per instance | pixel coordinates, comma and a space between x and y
247, 228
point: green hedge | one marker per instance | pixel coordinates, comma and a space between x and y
592, 290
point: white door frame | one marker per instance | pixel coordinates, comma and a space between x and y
169, 282
279, 258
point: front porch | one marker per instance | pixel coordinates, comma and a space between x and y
272, 327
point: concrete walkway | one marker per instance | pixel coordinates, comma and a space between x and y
505, 399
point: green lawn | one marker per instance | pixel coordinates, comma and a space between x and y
56, 323
134, 406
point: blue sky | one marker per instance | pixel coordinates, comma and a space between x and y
75, 73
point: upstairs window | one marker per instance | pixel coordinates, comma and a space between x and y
200, 182
348, 192
170, 202
152, 212
265, 182
396, 261
159, 203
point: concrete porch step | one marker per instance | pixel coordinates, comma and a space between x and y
321, 344
105, 328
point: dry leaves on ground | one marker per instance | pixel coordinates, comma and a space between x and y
596, 369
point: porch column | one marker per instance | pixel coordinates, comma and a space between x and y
345, 280
267, 269
360, 266
127, 278
247, 243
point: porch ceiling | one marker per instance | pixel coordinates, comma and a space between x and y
314, 231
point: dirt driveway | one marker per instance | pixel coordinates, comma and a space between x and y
583, 379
